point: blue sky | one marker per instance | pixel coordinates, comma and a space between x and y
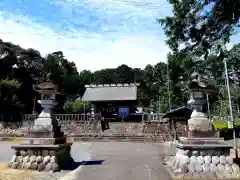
95, 34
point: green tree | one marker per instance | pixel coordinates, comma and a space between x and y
77, 107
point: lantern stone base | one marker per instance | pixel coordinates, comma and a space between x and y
199, 122
203, 157
201, 134
49, 158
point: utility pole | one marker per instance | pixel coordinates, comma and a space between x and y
169, 95
231, 122
159, 104
209, 113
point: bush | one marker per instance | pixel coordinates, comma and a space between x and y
77, 107
222, 123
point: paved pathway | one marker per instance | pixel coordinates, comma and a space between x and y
129, 161
114, 161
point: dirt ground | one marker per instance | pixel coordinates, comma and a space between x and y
10, 174
13, 174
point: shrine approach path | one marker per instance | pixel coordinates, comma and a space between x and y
114, 160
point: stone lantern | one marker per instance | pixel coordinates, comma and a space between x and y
45, 142
46, 118
201, 153
198, 124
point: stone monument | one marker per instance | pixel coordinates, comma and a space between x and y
46, 147
201, 153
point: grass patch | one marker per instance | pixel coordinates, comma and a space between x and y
11, 139
223, 124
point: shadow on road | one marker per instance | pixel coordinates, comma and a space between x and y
94, 162
75, 165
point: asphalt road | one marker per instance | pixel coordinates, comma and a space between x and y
114, 160
128, 161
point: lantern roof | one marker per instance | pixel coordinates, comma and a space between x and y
48, 85
197, 85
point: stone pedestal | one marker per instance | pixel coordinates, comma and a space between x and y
205, 157
202, 154
199, 126
49, 158
46, 147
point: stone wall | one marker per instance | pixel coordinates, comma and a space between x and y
77, 128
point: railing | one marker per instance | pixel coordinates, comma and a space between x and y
10, 118
155, 117
148, 117
65, 117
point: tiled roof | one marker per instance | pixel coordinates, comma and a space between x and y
110, 93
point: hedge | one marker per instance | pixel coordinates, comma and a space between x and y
223, 124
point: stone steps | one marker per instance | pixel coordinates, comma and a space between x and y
151, 128
157, 128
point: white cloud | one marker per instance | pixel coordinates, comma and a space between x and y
88, 50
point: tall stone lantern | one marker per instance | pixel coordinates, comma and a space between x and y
45, 143
46, 118
199, 124
201, 153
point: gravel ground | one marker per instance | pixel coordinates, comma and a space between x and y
11, 174
105, 161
